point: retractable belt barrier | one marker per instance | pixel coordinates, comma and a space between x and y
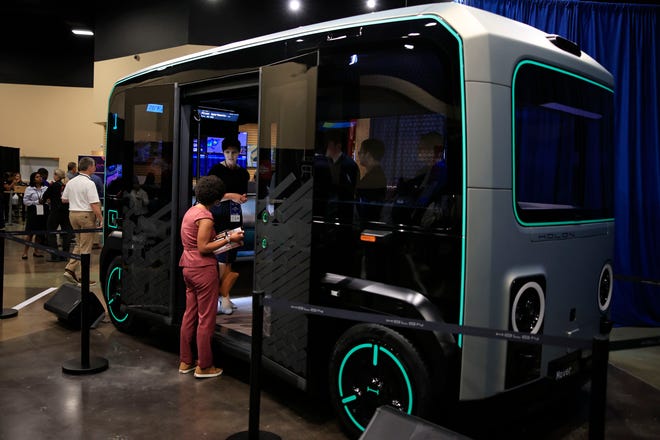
86, 364
418, 324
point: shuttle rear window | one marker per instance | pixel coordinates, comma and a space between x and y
562, 147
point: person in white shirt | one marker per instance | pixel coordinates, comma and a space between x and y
84, 213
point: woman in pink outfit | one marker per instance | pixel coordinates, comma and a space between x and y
200, 273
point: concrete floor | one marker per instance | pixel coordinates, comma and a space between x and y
142, 395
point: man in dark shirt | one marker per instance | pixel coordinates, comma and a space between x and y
341, 176
229, 214
58, 215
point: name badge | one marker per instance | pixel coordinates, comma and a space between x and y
234, 212
40, 209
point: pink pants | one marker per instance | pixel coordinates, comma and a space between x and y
199, 318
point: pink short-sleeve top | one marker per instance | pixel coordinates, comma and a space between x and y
191, 257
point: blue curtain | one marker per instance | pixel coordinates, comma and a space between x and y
623, 38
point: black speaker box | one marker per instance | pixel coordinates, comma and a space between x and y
66, 305
389, 423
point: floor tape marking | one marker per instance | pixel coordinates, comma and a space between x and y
34, 298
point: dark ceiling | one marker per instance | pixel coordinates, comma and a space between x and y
37, 46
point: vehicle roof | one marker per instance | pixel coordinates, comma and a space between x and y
492, 44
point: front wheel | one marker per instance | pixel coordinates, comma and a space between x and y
119, 314
371, 366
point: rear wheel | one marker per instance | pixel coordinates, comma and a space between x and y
112, 293
371, 366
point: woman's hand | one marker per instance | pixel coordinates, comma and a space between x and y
240, 198
237, 237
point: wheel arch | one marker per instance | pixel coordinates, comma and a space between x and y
439, 350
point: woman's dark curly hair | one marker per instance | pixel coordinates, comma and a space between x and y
209, 189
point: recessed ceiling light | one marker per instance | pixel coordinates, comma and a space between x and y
82, 32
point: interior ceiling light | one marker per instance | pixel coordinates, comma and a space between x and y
371, 4
294, 5
85, 32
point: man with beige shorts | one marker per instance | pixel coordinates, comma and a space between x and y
84, 213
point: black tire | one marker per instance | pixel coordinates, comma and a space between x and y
120, 317
371, 366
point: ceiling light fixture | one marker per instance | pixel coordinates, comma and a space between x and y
294, 5
371, 4
85, 32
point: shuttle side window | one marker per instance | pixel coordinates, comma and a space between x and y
398, 121
563, 148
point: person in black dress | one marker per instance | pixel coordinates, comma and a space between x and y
228, 215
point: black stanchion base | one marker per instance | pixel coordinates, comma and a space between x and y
96, 365
263, 435
8, 313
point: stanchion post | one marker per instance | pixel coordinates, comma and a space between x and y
253, 432
6, 313
86, 364
598, 393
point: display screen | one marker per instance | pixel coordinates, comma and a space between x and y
218, 115
114, 172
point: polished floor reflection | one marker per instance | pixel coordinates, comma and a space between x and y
142, 395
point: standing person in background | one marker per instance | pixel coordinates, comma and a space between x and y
44, 176
7, 187
98, 182
5, 202
344, 176
200, 273
37, 212
71, 171
59, 214
18, 182
229, 215
84, 213
372, 187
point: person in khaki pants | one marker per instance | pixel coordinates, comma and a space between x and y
84, 213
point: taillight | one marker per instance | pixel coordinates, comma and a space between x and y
605, 287
528, 308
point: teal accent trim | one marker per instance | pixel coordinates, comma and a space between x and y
341, 391
349, 399
375, 358
405, 376
113, 215
371, 390
108, 292
343, 364
513, 143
